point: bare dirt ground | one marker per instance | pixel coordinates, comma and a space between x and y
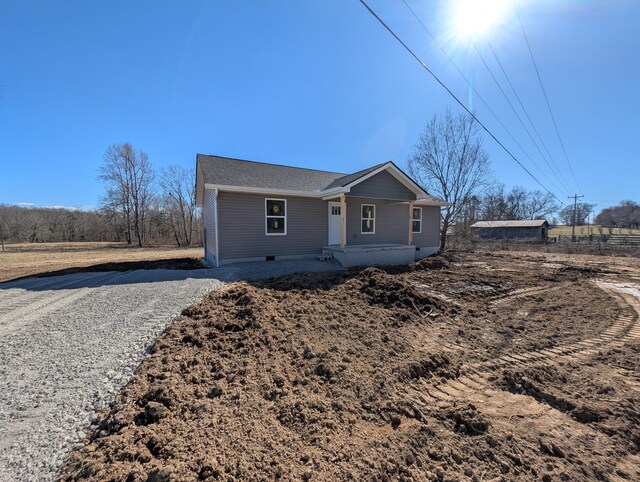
464, 367
27, 259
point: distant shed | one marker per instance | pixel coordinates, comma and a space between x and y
525, 229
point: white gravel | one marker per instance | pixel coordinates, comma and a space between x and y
69, 343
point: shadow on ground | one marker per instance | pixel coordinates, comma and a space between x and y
109, 274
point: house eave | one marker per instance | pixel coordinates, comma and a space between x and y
260, 190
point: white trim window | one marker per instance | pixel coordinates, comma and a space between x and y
416, 225
367, 219
275, 213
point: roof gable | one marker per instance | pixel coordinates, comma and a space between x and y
383, 185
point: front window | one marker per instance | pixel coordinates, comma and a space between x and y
417, 220
276, 216
368, 218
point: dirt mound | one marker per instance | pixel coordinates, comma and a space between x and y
332, 377
585, 271
467, 420
433, 262
434, 365
393, 292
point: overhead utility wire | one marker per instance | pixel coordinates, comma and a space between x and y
526, 113
435, 40
504, 94
506, 97
553, 118
424, 66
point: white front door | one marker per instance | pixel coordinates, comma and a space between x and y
334, 223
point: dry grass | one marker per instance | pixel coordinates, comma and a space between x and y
592, 229
29, 259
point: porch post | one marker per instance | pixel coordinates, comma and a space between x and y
343, 213
410, 222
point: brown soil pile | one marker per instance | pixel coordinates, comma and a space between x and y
318, 377
172, 263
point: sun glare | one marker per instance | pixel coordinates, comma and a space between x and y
475, 18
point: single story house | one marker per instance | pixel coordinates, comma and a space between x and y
521, 229
257, 211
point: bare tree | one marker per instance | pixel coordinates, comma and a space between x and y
4, 231
541, 205
581, 213
179, 195
450, 162
515, 206
128, 176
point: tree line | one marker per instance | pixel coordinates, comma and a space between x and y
140, 205
624, 215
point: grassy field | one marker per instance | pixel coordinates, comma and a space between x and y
24, 259
592, 229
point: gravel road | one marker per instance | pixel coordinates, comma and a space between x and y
68, 343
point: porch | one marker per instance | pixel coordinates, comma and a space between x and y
371, 254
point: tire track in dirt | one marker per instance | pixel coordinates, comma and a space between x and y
525, 292
474, 381
541, 421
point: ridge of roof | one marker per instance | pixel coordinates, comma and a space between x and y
199, 154
512, 223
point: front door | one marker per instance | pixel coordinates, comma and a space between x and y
334, 223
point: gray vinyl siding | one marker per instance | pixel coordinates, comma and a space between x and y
430, 235
382, 186
242, 227
391, 226
209, 225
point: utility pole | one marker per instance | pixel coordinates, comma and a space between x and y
575, 205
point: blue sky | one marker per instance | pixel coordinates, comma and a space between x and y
308, 83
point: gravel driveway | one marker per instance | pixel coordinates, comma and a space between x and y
68, 343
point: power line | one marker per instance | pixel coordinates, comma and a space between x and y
526, 113
424, 66
435, 40
546, 98
506, 97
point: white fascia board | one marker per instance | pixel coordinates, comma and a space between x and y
261, 190
367, 176
326, 195
430, 202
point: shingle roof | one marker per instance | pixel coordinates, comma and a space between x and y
236, 172
348, 179
510, 224
226, 171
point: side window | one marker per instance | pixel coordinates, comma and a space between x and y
417, 220
276, 216
368, 219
